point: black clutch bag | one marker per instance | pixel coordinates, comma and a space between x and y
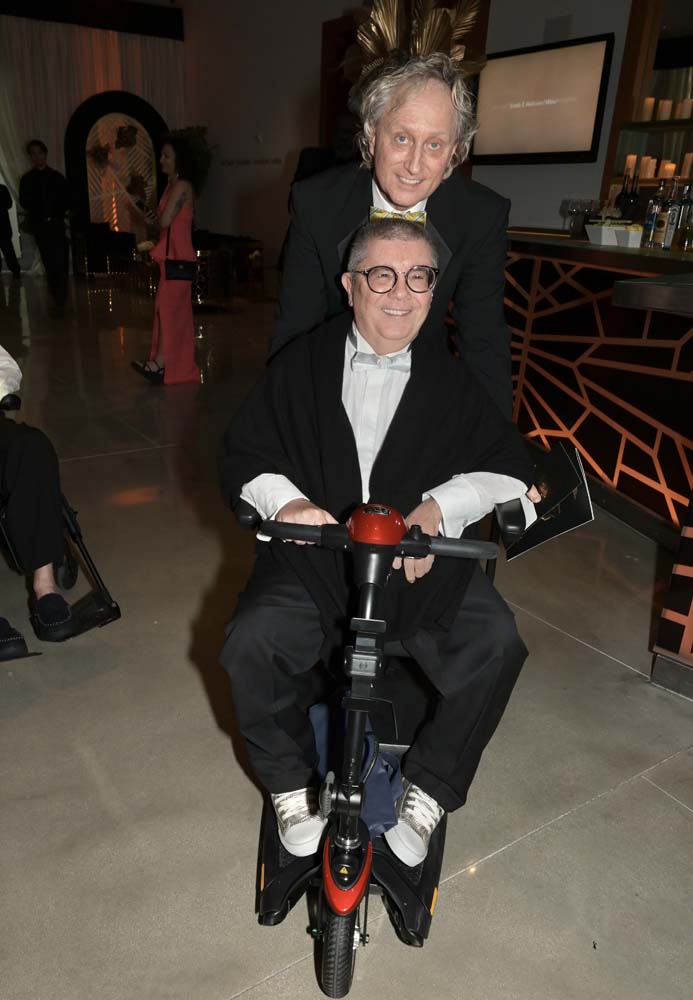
178, 270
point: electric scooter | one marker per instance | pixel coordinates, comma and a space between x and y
349, 865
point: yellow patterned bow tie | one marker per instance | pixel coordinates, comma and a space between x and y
375, 214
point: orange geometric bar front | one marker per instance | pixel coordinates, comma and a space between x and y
617, 383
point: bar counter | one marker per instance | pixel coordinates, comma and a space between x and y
615, 382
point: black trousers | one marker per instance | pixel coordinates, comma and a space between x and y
30, 494
52, 243
273, 641
10, 256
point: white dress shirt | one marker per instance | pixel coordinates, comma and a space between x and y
10, 375
380, 201
370, 397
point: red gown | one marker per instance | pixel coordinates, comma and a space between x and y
173, 315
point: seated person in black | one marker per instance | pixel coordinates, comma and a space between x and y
356, 411
30, 495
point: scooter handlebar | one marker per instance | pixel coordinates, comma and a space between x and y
415, 544
318, 534
336, 536
463, 548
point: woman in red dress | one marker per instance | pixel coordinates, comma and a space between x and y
172, 355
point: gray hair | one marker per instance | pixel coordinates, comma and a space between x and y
387, 229
397, 79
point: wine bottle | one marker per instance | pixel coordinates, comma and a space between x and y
630, 208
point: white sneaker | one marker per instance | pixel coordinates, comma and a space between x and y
418, 816
299, 821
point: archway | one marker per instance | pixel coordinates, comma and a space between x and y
112, 119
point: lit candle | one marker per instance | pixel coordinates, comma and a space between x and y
669, 169
647, 109
631, 160
664, 110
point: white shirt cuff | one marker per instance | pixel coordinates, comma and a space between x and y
269, 492
467, 498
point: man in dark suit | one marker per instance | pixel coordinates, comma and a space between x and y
370, 412
43, 194
417, 126
6, 232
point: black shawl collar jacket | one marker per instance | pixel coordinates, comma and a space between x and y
294, 423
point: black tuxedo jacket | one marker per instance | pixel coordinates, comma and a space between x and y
294, 424
468, 223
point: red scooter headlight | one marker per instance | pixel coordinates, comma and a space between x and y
376, 524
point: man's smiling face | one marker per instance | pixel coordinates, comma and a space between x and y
413, 143
390, 321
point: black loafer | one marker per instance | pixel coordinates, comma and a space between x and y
52, 618
153, 375
12, 644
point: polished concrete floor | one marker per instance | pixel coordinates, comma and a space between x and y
128, 825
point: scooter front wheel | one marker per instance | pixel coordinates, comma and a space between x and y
340, 939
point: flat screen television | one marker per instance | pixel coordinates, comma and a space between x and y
543, 104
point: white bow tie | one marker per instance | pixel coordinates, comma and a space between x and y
394, 363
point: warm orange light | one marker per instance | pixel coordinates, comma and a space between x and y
136, 497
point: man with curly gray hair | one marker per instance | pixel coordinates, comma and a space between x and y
399, 81
417, 123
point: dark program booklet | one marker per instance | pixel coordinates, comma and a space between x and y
565, 499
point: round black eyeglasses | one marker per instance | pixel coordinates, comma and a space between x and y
420, 278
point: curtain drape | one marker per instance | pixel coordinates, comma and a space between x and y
47, 70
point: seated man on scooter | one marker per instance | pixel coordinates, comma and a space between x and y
363, 409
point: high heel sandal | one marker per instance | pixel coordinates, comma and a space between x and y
153, 375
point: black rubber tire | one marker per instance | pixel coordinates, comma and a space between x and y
338, 953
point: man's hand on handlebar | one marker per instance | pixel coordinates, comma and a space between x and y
428, 516
303, 512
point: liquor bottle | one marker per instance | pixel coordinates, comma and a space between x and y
673, 220
682, 235
663, 218
654, 207
685, 244
630, 206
